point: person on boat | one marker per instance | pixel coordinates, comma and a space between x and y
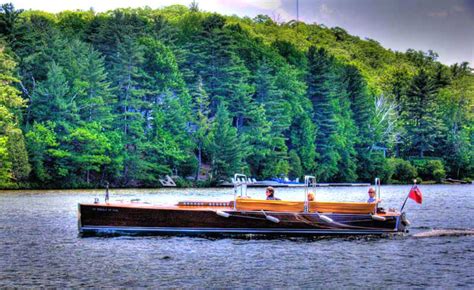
372, 198
310, 196
271, 194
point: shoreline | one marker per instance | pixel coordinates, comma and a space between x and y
2, 190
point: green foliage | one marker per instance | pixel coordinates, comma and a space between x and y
5, 164
320, 78
130, 95
51, 100
276, 167
224, 147
374, 165
421, 116
8, 19
430, 169
346, 133
403, 171
18, 155
258, 140
337, 134
202, 123
457, 147
296, 169
42, 141
14, 162
303, 136
88, 146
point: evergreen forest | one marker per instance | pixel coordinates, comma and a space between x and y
131, 95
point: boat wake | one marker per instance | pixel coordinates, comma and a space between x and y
445, 233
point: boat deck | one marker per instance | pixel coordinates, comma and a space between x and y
211, 206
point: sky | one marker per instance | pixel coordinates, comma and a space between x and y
445, 26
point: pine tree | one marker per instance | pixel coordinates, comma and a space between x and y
278, 114
41, 142
6, 174
18, 155
224, 147
108, 33
13, 157
456, 147
52, 100
422, 121
360, 104
362, 114
85, 70
212, 56
296, 169
301, 136
126, 74
9, 18
166, 92
171, 130
303, 141
270, 96
320, 79
346, 132
88, 148
164, 31
202, 123
257, 141
38, 45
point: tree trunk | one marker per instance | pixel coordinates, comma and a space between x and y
199, 162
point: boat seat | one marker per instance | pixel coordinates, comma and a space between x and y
343, 207
298, 206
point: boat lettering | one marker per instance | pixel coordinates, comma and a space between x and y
105, 209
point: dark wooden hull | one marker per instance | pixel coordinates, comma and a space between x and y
116, 219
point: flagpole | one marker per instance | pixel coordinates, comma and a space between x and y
408, 196
107, 192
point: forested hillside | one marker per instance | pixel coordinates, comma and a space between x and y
130, 95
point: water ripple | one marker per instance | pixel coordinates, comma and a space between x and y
40, 247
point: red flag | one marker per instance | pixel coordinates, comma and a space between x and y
415, 194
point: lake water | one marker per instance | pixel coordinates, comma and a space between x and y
40, 246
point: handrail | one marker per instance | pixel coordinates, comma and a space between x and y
377, 184
240, 181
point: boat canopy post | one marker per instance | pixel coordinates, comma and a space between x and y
106, 192
377, 184
240, 186
309, 181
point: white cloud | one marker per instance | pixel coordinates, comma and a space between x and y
262, 4
325, 10
457, 8
439, 14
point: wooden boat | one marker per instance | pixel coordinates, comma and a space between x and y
242, 216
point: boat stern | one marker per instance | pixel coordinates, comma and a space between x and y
79, 221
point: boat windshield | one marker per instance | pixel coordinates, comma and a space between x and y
240, 182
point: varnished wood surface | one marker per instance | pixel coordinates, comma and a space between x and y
229, 207
151, 216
